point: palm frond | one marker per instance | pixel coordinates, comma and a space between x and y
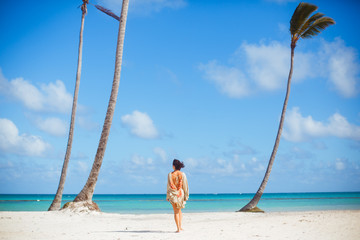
318, 25
108, 12
309, 22
301, 14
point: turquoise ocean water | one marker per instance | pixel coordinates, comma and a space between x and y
156, 203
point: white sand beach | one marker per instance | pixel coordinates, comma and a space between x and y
230, 225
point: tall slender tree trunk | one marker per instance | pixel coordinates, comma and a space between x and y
55, 205
87, 192
255, 200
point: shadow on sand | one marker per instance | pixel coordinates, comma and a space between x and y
142, 231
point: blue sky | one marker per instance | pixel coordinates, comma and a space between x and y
202, 81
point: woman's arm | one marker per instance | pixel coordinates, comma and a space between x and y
168, 188
185, 187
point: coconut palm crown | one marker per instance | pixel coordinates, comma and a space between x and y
304, 26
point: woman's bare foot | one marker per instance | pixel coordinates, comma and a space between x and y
178, 231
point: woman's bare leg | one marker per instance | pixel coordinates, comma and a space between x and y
180, 219
176, 217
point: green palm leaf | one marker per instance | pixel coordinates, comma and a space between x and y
318, 25
309, 22
301, 14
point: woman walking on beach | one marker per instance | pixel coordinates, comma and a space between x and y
177, 191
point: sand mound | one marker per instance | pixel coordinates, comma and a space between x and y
80, 207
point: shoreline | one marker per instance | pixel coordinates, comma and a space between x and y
156, 203
170, 211
320, 225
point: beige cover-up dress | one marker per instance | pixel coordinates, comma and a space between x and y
177, 189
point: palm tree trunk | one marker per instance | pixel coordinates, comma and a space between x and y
87, 192
55, 205
255, 200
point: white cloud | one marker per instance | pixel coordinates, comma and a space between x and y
339, 164
56, 98
242, 166
229, 166
266, 68
259, 168
343, 67
191, 163
144, 7
230, 80
82, 166
161, 153
269, 64
137, 160
12, 142
235, 165
52, 125
22, 91
298, 128
140, 125
52, 97
144, 180
166, 74
86, 123
140, 161
226, 167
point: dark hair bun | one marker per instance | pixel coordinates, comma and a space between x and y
178, 165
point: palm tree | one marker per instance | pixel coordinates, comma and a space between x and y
55, 205
301, 26
86, 194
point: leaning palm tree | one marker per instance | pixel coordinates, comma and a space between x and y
84, 198
301, 26
55, 205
